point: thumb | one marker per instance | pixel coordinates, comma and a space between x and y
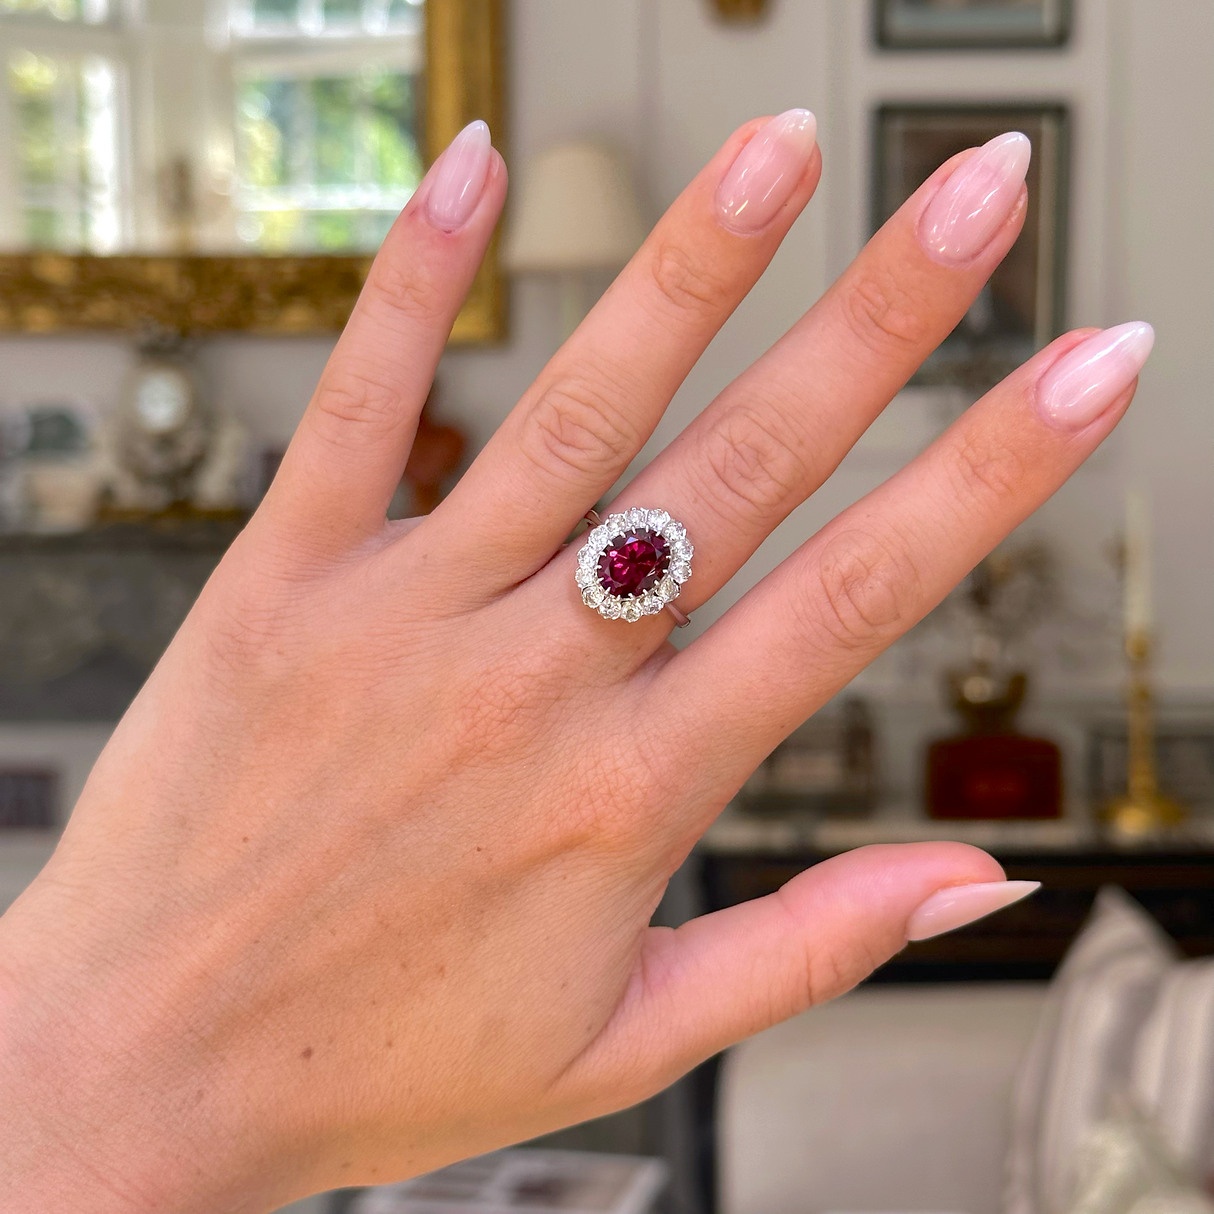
717, 979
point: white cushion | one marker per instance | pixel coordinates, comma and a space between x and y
1081, 1054
1173, 1070
890, 1098
1124, 1167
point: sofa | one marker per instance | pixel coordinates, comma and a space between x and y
892, 1098
1093, 1094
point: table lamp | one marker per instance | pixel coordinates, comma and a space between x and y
577, 212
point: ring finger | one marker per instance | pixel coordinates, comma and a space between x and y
774, 435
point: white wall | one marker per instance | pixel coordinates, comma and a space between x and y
668, 84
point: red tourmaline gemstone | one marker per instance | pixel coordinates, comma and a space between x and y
634, 563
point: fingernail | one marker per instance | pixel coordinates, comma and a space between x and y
761, 180
958, 905
458, 178
975, 202
1081, 385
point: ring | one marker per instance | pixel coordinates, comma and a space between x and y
634, 564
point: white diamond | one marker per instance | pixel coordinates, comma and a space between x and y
592, 596
658, 519
616, 524
674, 532
587, 559
680, 571
584, 577
632, 611
638, 517
652, 603
668, 588
681, 550
598, 538
610, 607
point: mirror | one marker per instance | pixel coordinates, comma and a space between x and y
201, 165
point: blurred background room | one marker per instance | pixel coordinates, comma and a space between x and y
190, 192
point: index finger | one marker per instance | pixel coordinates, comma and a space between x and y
348, 454
598, 400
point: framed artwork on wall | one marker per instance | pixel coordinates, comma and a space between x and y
1023, 306
971, 24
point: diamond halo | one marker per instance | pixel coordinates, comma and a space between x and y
633, 564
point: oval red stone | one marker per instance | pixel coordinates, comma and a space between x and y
632, 564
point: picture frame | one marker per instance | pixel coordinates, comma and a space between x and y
1023, 307
935, 25
1184, 763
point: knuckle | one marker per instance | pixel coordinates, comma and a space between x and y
754, 469
985, 470
247, 634
403, 287
571, 426
828, 965
834, 967
881, 313
866, 591
688, 282
354, 400
625, 782
497, 717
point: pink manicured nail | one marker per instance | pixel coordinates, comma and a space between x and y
458, 178
974, 203
958, 905
1081, 385
761, 180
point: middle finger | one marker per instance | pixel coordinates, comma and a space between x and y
774, 435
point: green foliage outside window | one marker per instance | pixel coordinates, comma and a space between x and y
48, 122
308, 145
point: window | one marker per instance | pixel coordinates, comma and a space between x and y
326, 120
62, 91
65, 122
262, 125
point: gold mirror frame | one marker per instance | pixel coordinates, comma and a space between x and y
48, 292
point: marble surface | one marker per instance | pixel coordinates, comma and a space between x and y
736, 832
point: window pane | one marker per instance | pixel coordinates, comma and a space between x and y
263, 109
275, 12
400, 11
326, 162
335, 102
390, 139
65, 115
342, 12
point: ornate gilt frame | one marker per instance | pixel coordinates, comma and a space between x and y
44, 292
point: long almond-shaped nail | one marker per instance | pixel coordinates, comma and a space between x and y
958, 905
458, 178
975, 202
1081, 385
761, 180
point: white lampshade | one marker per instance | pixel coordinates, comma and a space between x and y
577, 210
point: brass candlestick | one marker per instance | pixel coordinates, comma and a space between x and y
1144, 810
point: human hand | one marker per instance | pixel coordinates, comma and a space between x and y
362, 882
